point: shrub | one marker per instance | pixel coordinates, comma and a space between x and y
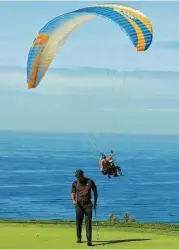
132, 219
128, 219
113, 218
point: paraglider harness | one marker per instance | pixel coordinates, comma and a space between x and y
109, 168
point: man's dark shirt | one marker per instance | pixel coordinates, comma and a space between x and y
83, 190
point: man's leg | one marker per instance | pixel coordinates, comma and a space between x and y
79, 221
88, 222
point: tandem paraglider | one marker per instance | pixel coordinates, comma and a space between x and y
108, 166
56, 32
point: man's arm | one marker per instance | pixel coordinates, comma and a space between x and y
73, 194
94, 188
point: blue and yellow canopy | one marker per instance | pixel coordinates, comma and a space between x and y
54, 34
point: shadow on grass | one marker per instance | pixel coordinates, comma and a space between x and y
107, 242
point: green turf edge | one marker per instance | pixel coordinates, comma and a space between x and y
164, 226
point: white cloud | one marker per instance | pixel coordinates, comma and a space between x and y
140, 103
163, 109
55, 83
119, 87
168, 44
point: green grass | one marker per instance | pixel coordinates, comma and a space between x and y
59, 234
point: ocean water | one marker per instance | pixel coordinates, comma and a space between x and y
37, 171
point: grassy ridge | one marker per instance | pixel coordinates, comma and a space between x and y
142, 225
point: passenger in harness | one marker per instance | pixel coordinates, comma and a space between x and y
104, 166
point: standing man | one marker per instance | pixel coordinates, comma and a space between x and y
81, 198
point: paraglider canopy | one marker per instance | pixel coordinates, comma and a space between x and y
55, 33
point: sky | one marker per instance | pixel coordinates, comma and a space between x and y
139, 92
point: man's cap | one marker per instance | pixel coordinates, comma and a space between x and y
79, 173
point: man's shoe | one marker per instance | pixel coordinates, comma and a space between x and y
89, 244
78, 240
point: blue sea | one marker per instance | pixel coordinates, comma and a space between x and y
37, 171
